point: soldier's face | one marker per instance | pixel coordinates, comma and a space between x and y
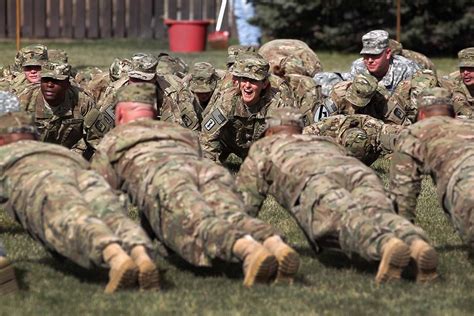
251, 90
467, 75
32, 73
54, 91
130, 111
378, 65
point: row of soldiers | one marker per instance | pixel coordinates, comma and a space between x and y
193, 206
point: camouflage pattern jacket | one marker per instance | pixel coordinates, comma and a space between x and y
400, 69
231, 127
435, 146
422, 61
63, 124
307, 95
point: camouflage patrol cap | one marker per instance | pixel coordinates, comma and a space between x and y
466, 57
434, 96
234, 50
252, 66
203, 78
56, 70
293, 65
362, 89
119, 68
143, 66
33, 55
58, 55
8, 102
356, 141
171, 65
374, 42
17, 122
138, 92
284, 116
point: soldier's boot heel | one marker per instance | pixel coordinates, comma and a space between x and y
288, 259
148, 274
395, 257
425, 259
123, 272
8, 283
259, 264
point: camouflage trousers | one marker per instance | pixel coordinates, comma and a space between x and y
73, 212
347, 207
459, 200
194, 209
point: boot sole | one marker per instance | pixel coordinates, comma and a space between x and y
394, 259
148, 277
426, 263
8, 282
263, 268
288, 265
124, 278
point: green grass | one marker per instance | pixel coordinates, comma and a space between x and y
327, 284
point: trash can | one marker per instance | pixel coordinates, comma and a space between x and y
187, 35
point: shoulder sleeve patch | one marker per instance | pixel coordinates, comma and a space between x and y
218, 116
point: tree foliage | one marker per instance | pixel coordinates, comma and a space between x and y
430, 26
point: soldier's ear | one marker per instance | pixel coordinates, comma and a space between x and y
118, 114
421, 115
266, 83
3, 140
388, 52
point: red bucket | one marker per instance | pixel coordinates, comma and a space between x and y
187, 35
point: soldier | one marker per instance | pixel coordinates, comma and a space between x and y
237, 117
363, 95
422, 61
171, 65
378, 60
33, 58
202, 81
463, 92
69, 209
336, 200
174, 102
440, 146
59, 108
8, 282
364, 137
190, 203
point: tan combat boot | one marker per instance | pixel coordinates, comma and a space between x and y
148, 275
8, 282
426, 261
258, 263
395, 257
123, 272
288, 259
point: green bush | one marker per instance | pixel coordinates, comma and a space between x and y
432, 27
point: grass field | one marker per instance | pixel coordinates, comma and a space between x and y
327, 284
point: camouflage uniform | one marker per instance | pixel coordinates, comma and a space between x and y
69, 209
99, 82
462, 96
229, 125
202, 79
363, 136
336, 200
62, 124
189, 202
422, 61
274, 51
400, 68
171, 65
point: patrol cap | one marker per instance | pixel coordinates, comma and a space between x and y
59, 55
284, 117
374, 42
203, 78
466, 57
434, 96
8, 102
171, 65
33, 55
142, 92
56, 70
362, 89
17, 122
235, 50
293, 65
252, 66
356, 141
119, 67
143, 66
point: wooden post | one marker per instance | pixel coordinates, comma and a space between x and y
18, 24
399, 20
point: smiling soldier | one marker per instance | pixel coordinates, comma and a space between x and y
237, 118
